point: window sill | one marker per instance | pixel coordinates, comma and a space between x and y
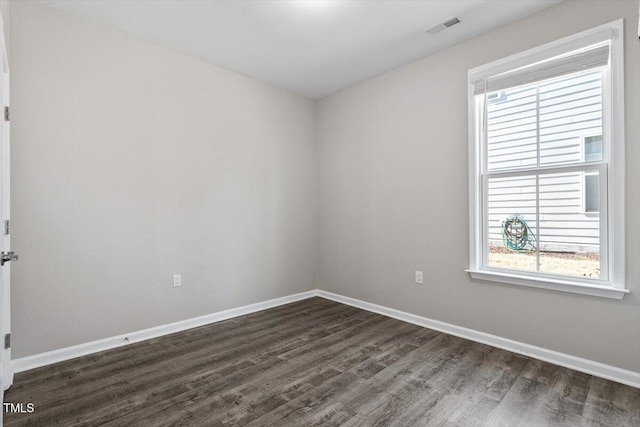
552, 284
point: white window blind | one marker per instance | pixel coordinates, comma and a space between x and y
584, 59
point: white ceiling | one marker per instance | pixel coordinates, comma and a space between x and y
311, 47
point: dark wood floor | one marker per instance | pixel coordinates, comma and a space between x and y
316, 362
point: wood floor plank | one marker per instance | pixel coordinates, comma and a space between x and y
316, 362
101, 365
197, 373
342, 340
611, 403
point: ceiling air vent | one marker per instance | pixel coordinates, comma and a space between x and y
443, 25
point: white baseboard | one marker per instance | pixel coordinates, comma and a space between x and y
577, 363
597, 369
62, 354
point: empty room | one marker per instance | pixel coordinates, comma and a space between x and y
320, 213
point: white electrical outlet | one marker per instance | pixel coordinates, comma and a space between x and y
177, 280
419, 277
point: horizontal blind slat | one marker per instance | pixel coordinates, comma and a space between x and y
586, 59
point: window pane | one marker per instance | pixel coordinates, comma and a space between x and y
565, 111
512, 227
512, 128
591, 193
593, 148
569, 240
570, 109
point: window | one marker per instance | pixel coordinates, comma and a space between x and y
546, 166
591, 194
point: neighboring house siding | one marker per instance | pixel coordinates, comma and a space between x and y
570, 110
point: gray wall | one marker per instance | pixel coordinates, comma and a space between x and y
393, 181
132, 162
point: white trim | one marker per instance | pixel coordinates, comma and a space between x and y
67, 353
614, 129
548, 170
590, 367
476, 256
574, 287
572, 362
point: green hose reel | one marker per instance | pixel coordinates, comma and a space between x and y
516, 234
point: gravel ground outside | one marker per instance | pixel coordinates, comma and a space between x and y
568, 264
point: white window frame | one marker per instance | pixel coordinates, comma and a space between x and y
612, 174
